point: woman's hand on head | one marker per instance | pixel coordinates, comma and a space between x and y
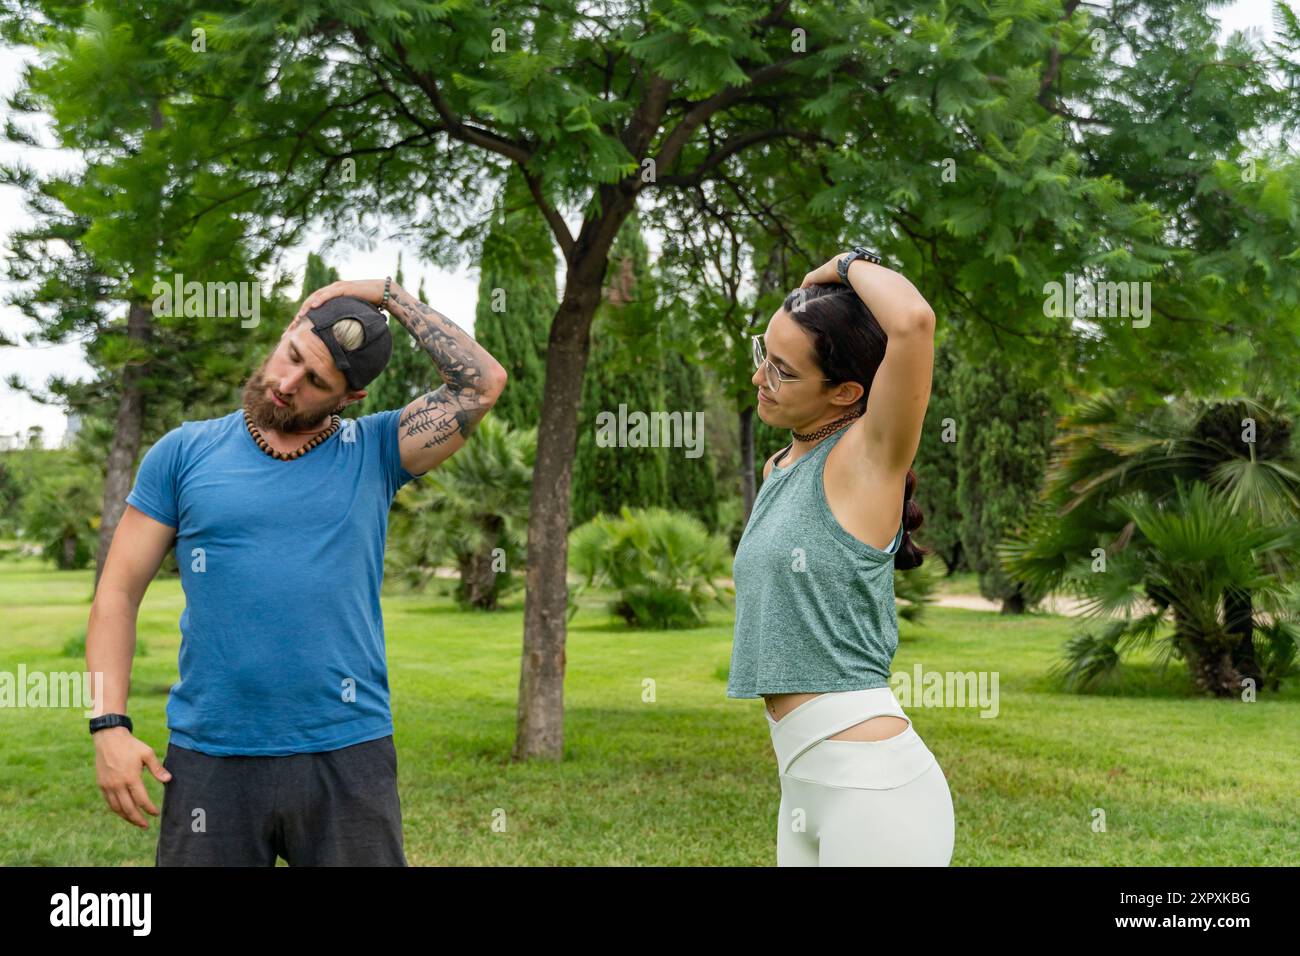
825, 274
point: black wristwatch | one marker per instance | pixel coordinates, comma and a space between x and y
110, 720
858, 252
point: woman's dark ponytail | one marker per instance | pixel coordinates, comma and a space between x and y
910, 555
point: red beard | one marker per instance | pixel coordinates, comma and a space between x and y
267, 415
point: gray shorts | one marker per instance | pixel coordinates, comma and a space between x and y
334, 808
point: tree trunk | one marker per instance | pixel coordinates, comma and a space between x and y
747, 458
540, 720
69, 557
953, 561
126, 439
1209, 662
1239, 617
1213, 671
478, 582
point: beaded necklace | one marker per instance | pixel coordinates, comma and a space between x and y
297, 453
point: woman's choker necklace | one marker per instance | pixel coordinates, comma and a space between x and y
297, 453
826, 429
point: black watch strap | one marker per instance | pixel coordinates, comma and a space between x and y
858, 252
111, 720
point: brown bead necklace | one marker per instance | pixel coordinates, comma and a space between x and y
297, 453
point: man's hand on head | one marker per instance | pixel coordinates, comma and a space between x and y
367, 290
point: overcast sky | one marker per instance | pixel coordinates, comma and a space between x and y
454, 295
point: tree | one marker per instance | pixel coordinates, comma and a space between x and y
517, 299
1186, 507
639, 366
59, 514
106, 236
351, 110
937, 459
317, 275
607, 478
471, 508
691, 486
1005, 424
11, 496
713, 243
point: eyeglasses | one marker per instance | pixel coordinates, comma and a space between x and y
773, 374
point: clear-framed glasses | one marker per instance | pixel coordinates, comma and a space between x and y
773, 374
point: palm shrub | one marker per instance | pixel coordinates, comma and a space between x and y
472, 510
1187, 553
917, 587
663, 564
1181, 512
61, 513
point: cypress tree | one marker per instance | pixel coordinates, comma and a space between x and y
316, 275
691, 485
409, 373
517, 299
1006, 424
638, 360
936, 460
624, 369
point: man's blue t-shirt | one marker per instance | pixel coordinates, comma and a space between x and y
282, 638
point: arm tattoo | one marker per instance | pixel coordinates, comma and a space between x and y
458, 405
439, 419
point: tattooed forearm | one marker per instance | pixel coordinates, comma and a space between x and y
439, 419
468, 371
464, 364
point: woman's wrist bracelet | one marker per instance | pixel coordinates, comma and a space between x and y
383, 303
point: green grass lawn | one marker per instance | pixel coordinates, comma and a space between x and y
963, 582
690, 779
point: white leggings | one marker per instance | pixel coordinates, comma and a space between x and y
858, 802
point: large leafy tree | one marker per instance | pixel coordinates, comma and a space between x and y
411, 109
105, 236
595, 114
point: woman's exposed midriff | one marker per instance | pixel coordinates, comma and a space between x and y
876, 728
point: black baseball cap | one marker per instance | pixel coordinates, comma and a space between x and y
361, 365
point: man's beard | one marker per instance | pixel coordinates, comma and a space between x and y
268, 415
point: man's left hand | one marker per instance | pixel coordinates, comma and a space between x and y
367, 290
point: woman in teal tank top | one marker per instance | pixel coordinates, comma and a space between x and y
846, 365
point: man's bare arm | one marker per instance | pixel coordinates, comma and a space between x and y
139, 545
436, 425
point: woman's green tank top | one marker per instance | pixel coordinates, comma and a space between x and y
814, 605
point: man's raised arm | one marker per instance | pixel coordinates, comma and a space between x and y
436, 425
